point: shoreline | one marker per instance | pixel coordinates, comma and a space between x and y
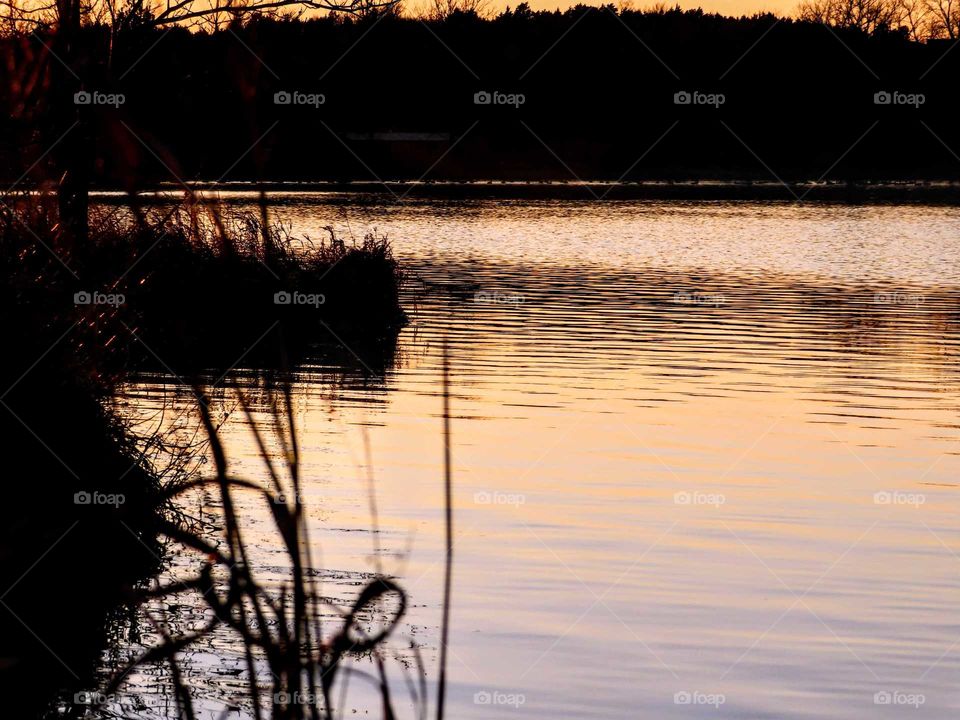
932, 191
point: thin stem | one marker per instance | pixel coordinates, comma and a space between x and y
448, 501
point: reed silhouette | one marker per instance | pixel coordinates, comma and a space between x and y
188, 291
295, 655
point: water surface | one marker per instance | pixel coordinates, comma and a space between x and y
706, 457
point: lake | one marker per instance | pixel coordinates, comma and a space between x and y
705, 457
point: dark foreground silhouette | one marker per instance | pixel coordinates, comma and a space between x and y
87, 494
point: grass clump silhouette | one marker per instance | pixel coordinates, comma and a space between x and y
197, 288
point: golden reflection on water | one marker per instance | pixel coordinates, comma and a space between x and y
698, 448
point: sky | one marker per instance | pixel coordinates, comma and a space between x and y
725, 7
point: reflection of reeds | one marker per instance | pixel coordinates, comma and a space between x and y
281, 631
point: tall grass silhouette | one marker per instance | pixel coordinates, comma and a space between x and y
295, 654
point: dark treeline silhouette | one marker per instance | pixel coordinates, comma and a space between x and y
589, 93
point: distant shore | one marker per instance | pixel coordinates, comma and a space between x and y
904, 191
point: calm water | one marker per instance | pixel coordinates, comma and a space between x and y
706, 459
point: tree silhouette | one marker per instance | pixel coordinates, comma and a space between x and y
63, 20
923, 19
600, 103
